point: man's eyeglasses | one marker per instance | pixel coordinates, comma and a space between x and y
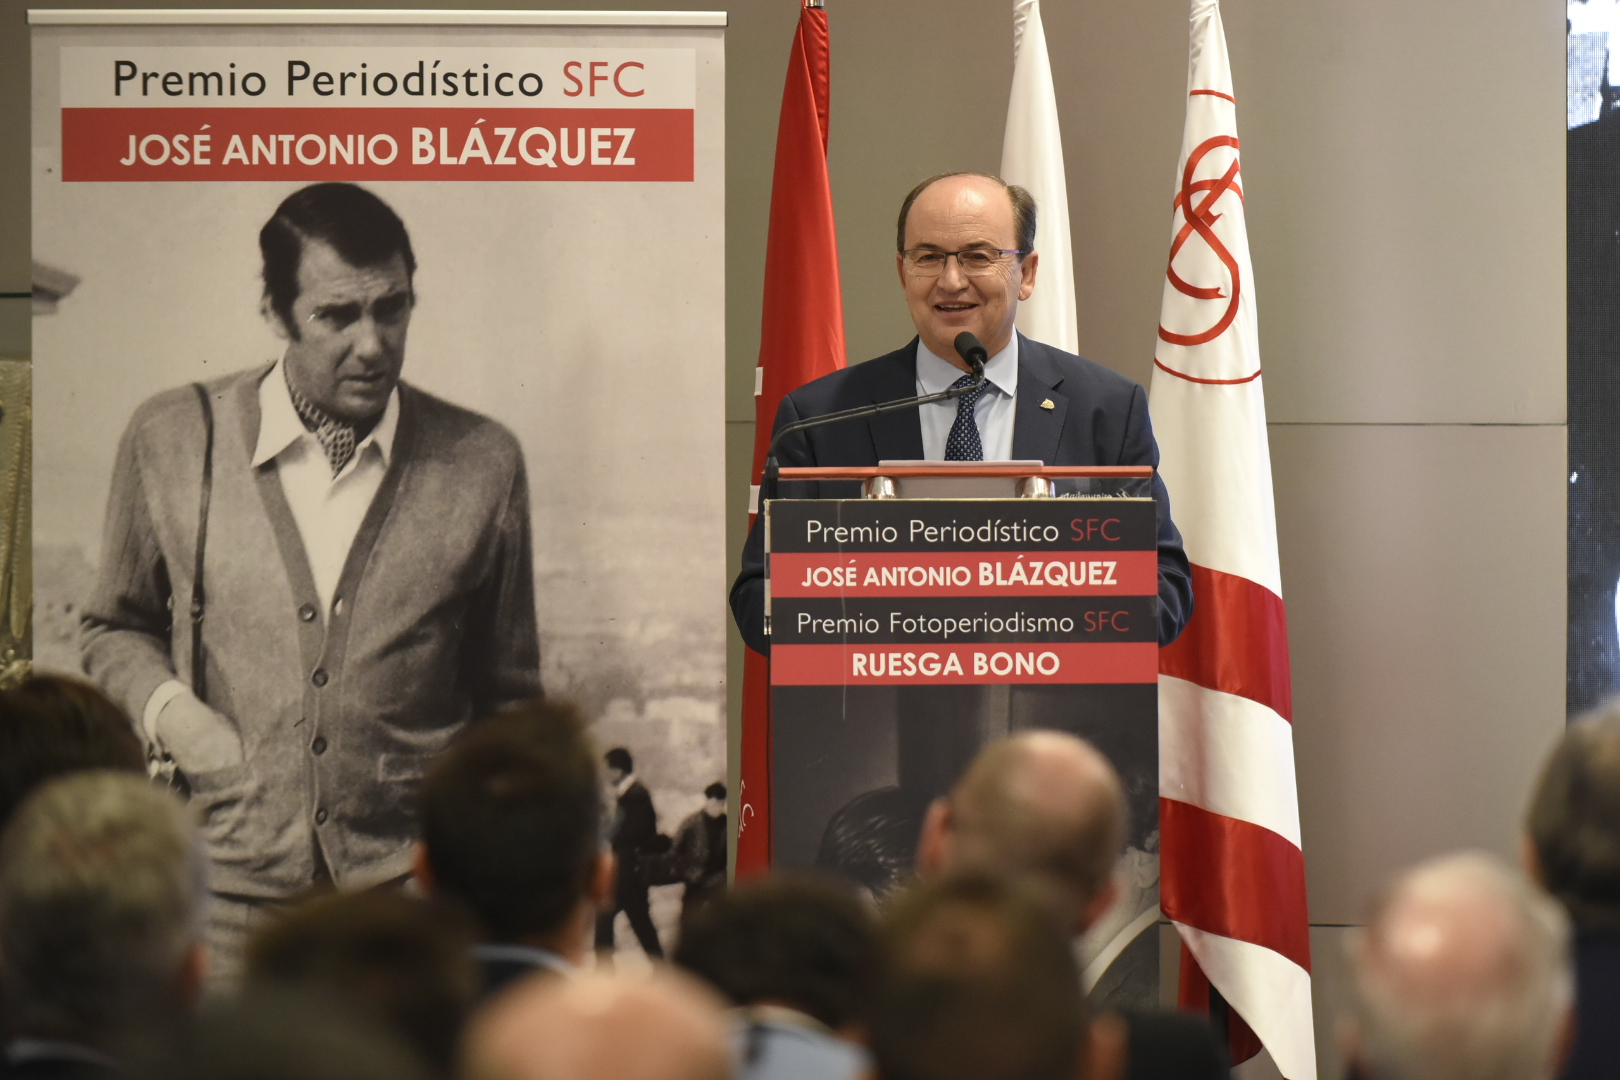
975, 261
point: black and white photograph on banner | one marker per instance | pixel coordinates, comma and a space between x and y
350, 431
1593, 179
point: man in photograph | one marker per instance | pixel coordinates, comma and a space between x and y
966, 258
635, 839
313, 574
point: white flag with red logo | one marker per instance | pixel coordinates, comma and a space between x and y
1032, 158
1233, 871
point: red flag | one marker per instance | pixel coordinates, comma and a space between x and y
1233, 870
801, 338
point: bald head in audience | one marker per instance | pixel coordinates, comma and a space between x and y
1041, 805
1462, 973
663, 1026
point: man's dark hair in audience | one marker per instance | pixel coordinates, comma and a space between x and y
512, 828
400, 960
1573, 833
619, 758
280, 1035
798, 956
978, 981
801, 942
1574, 822
103, 879
51, 725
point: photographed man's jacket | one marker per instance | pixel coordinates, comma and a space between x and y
432, 623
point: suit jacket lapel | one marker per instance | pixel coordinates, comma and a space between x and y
1038, 431
897, 436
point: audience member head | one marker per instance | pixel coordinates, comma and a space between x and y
512, 828
102, 884
872, 840
402, 961
978, 981
662, 1026
798, 942
51, 725
619, 763
1574, 821
1462, 973
1041, 805
268, 1034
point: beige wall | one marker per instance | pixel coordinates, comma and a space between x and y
1403, 164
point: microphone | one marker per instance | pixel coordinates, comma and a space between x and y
973, 351
967, 345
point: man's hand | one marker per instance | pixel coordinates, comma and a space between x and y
199, 739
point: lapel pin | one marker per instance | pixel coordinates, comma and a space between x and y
1047, 404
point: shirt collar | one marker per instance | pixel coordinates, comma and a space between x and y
781, 1016
935, 374
624, 785
24, 1050
523, 954
280, 427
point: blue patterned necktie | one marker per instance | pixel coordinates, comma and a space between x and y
963, 442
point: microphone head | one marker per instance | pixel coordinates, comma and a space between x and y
969, 348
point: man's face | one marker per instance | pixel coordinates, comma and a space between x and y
951, 215
346, 344
714, 807
616, 775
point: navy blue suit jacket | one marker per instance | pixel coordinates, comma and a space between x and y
1099, 418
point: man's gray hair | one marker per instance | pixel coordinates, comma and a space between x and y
103, 881
1462, 973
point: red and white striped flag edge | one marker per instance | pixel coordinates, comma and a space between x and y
1233, 872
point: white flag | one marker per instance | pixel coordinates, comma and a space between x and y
1233, 873
1032, 158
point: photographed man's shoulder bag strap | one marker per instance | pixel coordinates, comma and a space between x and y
202, 539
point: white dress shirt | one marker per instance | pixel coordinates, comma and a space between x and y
327, 509
993, 412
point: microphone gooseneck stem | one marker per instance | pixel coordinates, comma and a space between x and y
771, 477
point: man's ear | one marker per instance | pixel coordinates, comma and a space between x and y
1106, 1051
1531, 861
269, 314
422, 868
604, 876
193, 974
1348, 1034
1098, 906
1564, 1041
1027, 269
900, 268
934, 847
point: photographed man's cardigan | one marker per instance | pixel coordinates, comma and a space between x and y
339, 713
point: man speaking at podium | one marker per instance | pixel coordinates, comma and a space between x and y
966, 257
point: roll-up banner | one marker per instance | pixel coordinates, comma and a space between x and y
413, 324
